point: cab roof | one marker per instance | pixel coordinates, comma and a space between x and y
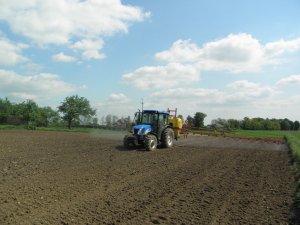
155, 111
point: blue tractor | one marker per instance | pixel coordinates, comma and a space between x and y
152, 128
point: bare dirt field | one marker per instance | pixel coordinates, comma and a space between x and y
75, 178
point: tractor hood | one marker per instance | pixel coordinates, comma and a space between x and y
142, 129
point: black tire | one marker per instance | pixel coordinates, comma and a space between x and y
167, 138
128, 143
150, 142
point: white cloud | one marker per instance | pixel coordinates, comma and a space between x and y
32, 67
61, 57
180, 51
245, 91
90, 49
166, 76
118, 98
290, 80
187, 100
117, 104
11, 53
78, 24
201, 94
23, 96
244, 85
39, 86
57, 21
235, 53
241, 93
281, 46
244, 98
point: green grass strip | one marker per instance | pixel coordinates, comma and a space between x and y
11, 127
258, 134
293, 140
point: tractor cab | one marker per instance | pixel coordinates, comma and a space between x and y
150, 117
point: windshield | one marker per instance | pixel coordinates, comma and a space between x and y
149, 118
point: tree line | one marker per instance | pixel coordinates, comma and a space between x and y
247, 123
257, 124
27, 112
69, 113
75, 110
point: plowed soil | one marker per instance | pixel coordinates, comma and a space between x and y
76, 178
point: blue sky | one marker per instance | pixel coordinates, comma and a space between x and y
228, 59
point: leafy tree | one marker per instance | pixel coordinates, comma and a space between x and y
257, 124
234, 124
111, 120
220, 123
260, 124
95, 121
296, 125
286, 124
5, 110
102, 120
272, 124
15, 115
108, 120
73, 107
199, 119
190, 120
27, 111
45, 116
114, 119
246, 124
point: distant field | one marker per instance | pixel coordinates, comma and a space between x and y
263, 133
292, 137
247, 133
73, 129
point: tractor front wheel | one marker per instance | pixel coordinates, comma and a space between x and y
150, 142
167, 138
128, 143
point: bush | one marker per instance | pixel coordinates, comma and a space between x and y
31, 127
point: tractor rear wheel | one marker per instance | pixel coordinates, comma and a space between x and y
167, 138
150, 142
